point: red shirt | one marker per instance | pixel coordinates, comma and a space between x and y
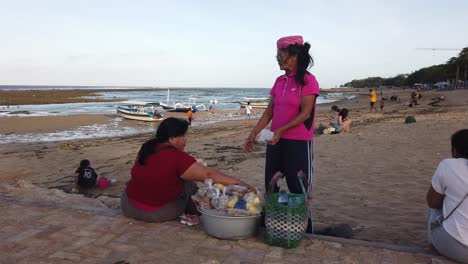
158, 182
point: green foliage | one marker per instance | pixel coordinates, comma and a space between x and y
368, 82
429, 75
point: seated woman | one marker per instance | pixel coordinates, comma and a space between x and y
448, 203
163, 177
344, 123
334, 118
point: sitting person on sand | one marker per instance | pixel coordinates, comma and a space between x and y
86, 176
334, 118
344, 123
448, 203
163, 178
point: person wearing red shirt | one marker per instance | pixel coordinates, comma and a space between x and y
163, 176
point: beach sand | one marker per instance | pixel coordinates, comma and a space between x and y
374, 178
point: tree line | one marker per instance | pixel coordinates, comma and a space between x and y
454, 70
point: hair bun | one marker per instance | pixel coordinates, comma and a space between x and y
306, 47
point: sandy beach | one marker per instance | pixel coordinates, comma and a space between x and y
374, 178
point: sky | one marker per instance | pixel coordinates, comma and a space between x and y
220, 43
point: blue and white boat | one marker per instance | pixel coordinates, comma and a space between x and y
143, 111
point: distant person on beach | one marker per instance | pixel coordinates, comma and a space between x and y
163, 177
248, 110
190, 117
86, 176
448, 203
414, 99
418, 94
373, 100
334, 118
382, 104
291, 110
344, 123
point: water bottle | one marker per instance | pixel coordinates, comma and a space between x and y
295, 201
283, 198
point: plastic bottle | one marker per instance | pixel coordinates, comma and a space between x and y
295, 201
283, 198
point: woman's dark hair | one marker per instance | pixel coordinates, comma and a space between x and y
304, 60
169, 127
460, 143
344, 113
335, 108
84, 163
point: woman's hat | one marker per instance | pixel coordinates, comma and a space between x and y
285, 42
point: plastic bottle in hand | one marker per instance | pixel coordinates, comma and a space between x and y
283, 198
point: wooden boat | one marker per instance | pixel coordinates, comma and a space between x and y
182, 107
255, 102
143, 111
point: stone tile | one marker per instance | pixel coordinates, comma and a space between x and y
66, 256
78, 243
121, 247
23, 235
104, 239
59, 235
93, 251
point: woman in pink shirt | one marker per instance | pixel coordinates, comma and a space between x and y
291, 110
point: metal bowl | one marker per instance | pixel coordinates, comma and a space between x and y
229, 227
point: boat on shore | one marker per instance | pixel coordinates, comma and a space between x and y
255, 102
182, 107
142, 111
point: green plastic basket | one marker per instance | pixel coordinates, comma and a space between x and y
285, 224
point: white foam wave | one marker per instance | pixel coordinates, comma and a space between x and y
113, 129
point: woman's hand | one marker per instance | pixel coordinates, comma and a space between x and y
248, 146
276, 137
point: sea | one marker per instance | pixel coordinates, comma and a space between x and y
225, 98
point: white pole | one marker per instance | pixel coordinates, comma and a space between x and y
167, 101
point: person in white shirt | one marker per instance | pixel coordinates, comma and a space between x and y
248, 110
448, 202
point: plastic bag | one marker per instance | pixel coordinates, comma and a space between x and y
215, 199
249, 197
233, 201
265, 135
211, 192
223, 200
236, 190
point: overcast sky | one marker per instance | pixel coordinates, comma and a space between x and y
219, 44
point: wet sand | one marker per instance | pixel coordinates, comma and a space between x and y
374, 178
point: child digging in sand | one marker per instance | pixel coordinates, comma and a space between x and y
86, 176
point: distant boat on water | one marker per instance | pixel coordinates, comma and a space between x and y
255, 102
142, 111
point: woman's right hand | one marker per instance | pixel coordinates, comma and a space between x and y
248, 146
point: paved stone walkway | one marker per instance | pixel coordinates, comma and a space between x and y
43, 233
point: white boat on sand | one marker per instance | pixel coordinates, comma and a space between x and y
143, 111
255, 102
182, 107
